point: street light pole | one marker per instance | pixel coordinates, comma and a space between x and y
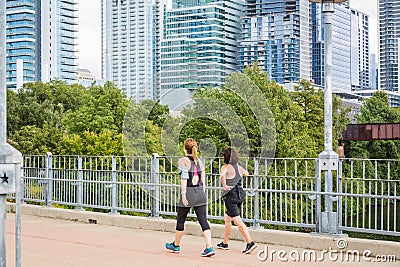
10, 158
3, 124
327, 159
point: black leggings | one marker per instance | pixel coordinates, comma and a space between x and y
201, 214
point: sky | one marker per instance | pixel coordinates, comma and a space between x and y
90, 31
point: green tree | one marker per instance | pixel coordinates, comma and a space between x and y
311, 102
376, 110
103, 109
292, 138
158, 113
65, 118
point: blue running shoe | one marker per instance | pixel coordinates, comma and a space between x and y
172, 247
208, 252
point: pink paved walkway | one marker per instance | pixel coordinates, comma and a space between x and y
59, 243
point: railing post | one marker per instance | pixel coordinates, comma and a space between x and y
318, 197
22, 188
155, 180
79, 193
114, 186
49, 179
339, 197
256, 195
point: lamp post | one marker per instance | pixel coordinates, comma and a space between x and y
10, 158
328, 159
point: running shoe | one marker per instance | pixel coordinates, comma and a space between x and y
172, 247
208, 252
222, 245
249, 247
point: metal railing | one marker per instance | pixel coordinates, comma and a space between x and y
279, 191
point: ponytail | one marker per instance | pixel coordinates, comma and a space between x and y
191, 147
194, 153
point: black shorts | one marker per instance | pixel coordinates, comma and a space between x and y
233, 201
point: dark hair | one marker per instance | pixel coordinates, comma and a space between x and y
231, 156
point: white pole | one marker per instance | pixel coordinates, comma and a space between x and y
3, 125
328, 9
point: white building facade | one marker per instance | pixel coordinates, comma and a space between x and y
129, 34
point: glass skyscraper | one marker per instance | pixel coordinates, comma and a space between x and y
41, 40
129, 40
21, 34
199, 47
341, 47
277, 35
389, 44
350, 48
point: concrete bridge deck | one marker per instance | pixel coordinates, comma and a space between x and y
58, 242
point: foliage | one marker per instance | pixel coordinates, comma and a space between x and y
67, 119
376, 110
311, 102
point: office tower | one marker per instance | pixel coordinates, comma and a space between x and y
199, 47
41, 41
341, 47
277, 35
373, 72
59, 39
360, 64
128, 40
389, 34
21, 35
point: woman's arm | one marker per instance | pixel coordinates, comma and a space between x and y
203, 175
244, 171
183, 167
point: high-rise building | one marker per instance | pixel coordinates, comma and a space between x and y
21, 35
129, 37
341, 47
373, 72
350, 48
360, 61
59, 39
389, 44
277, 35
41, 41
199, 47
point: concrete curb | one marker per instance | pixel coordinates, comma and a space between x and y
274, 237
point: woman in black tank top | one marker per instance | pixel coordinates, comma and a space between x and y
231, 179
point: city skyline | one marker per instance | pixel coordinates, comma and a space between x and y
90, 31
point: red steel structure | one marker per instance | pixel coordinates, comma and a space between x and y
372, 131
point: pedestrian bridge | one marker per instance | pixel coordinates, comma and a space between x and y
281, 192
64, 237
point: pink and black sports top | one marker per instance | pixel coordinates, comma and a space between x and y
195, 169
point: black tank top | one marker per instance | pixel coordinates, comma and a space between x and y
237, 180
194, 167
